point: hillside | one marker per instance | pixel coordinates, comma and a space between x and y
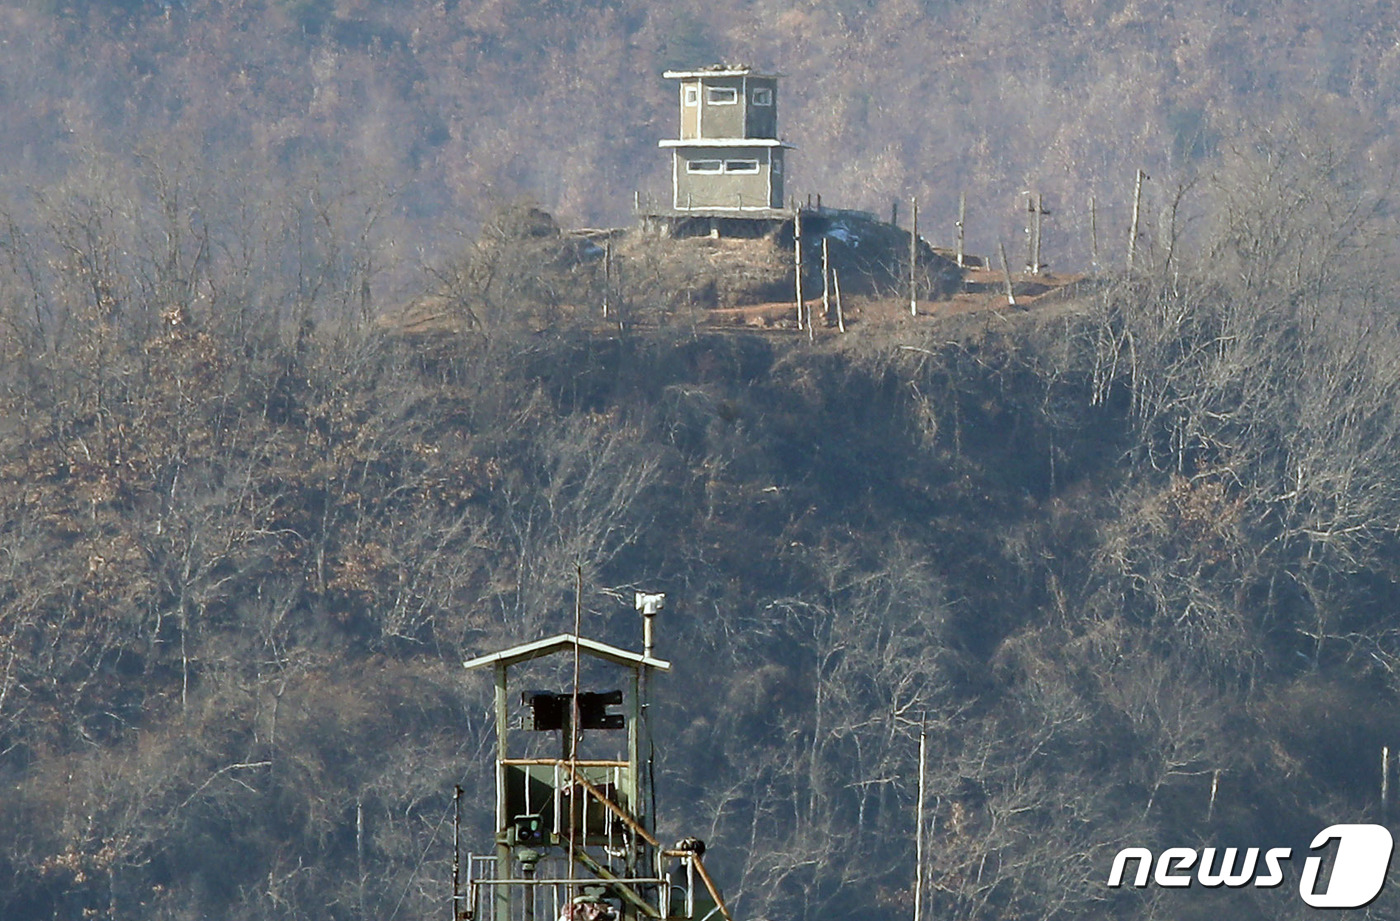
1115, 553
1129, 553
446, 110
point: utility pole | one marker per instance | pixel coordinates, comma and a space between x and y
1093, 234
1031, 234
913, 257
1137, 213
962, 222
1036, 206
919, 830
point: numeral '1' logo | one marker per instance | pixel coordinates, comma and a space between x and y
1363, 857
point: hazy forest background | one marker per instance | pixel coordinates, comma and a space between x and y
1116, 553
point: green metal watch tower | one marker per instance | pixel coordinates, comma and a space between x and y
575, 835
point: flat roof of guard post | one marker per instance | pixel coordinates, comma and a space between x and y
719, 70
723, 142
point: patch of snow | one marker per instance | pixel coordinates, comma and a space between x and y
843, 233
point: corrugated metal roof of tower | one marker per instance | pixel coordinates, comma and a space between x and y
719, 70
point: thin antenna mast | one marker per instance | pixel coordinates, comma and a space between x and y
648, 604
456, 851
575, 802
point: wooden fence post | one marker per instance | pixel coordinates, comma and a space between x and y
826, 284
1006, 271
797, 259
607, 274
840, 317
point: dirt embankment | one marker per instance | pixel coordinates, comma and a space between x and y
741, 275
867, 258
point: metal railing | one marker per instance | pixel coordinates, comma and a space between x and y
550, 882
582, 800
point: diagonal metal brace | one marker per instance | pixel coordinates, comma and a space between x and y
627, 892
623, 814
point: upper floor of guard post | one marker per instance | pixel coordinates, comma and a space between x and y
725, 101
554, 710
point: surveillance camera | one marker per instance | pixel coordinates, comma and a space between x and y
649, 604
